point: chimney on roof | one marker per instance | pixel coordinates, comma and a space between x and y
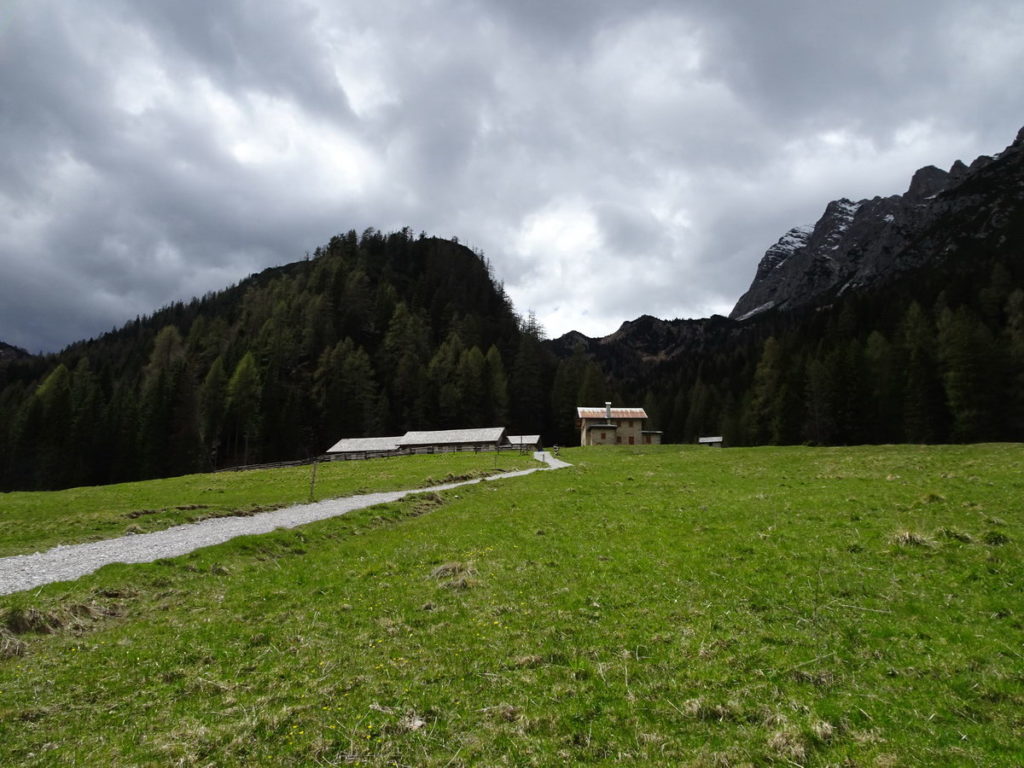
608, 411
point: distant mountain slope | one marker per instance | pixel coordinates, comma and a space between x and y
856, 244
10, 352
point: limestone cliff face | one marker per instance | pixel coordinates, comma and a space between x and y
856, 244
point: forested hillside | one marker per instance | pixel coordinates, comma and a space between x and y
375, 334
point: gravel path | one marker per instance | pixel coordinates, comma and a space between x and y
64, 563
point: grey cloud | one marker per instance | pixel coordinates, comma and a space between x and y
164, 149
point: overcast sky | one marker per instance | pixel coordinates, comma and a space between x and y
610, 158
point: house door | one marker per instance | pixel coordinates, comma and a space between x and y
631, 439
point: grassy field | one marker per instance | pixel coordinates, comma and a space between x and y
32, 521
661, 606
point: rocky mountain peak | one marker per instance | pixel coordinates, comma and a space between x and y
855, 244
957, 170
980, 162
927, 182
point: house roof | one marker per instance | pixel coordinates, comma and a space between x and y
453, 436
358, 444
524, 439
586, 412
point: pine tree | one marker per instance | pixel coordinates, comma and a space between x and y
594, 388
970, 375
471, 376
87, 433
565, 397
884, 417
169, 413
923, 410
404, 354
766, 415
1015, 365
212, 409
243, 403
496, 385
53, 459
445, 395
528, 394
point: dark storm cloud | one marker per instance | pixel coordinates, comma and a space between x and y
610, 158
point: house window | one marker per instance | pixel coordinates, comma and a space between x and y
603, 436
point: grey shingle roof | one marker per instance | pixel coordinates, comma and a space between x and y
524, 439
453, 436
357, 444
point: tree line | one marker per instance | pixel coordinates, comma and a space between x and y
378, 334
937, 357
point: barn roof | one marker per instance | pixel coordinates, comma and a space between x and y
586, 412
369, 444
524, 439
453, 436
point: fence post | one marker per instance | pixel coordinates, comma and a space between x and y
312, 479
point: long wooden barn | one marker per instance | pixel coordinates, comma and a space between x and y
435, 441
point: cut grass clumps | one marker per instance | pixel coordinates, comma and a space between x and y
955, 534
910, 539
10, 644
455, 576
21, 621
995, 538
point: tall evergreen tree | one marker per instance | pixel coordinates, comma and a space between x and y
213, 398
565, 397
529, 394
87, 429
243, 404
496, 383
472, 380
970, 375
766, 411
1015, 365
923, 409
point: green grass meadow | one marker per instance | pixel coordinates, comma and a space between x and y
31, 521
669, 606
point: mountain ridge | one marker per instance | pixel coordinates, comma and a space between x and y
854, 245
857, 243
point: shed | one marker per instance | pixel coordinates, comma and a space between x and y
524, 442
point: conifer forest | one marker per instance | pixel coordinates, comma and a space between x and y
376, 334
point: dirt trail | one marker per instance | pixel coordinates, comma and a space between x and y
64, 563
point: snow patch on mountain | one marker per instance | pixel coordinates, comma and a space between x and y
788, 244
856, 244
